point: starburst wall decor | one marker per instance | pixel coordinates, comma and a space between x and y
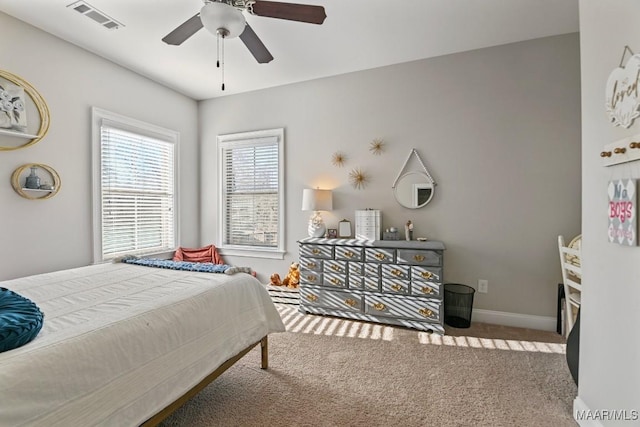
338, 159
358, 178
376, 146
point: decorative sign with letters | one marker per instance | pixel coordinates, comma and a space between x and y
622, 92
623, 219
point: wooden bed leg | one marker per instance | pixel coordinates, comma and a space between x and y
264, 349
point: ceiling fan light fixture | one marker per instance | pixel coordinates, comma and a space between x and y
217, 16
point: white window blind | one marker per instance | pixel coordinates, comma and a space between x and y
251, 193
137, 192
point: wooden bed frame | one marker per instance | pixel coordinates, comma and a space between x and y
264, 350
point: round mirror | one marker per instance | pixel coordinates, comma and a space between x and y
414, 190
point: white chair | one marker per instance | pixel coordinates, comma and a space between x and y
570, 262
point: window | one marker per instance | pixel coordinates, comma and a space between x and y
134, 187
251, 194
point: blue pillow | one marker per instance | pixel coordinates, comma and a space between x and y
20, 320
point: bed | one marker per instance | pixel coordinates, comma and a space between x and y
125, 345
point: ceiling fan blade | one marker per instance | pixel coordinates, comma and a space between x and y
184, 31
255, 45
290, 11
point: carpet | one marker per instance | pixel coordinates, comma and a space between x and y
326, 371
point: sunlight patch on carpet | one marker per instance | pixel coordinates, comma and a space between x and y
491, 343
331, 326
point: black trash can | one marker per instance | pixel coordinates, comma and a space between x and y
458, 302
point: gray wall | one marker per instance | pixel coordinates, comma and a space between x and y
609, 344
46, 235
498, 128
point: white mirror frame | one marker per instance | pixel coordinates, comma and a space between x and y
407, 190
410, 197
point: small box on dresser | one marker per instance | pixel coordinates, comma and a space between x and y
391, 282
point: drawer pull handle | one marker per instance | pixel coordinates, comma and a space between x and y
379, 306
418, 258
396, 287
311, 278
336, 268
427, 290
311, 265
315, 251
312, 297
396, 272
426, 274
335, 281
350, 302
349, 254
380, 256
426, 312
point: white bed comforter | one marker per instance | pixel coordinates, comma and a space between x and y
120, 342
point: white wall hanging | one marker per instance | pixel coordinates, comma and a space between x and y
622, 212
622, 94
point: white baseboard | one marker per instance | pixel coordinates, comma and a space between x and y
579, 405
543, 323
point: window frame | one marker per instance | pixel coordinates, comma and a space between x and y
98, 116
244, 139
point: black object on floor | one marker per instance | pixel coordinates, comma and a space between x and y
573, 349
458, 304
559, 318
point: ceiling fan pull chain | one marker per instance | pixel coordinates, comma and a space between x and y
218, 50
222, 61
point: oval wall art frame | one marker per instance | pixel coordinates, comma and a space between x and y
40, 104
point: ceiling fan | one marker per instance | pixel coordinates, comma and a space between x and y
225, 19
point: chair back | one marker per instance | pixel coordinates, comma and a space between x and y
571, 265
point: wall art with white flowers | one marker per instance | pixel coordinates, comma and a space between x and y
13, 114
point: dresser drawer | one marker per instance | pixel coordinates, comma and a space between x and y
355, 282
331, 299
334, 280
371, 270
310, 277
312, 264
371, 284
378, 255
426, 274
419, 257
316, 251
348, 253
425, 289
413, 308
395, 286
395, 271
363, 269
355, 269
332, 266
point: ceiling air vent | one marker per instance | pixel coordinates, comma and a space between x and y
91, 12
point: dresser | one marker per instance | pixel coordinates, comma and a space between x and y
391, 282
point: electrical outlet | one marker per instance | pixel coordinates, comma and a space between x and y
483, 286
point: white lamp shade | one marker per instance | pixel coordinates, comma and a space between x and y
216, 15
316, 200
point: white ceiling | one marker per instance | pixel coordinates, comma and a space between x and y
357, 35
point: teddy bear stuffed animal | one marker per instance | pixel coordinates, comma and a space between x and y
275, 280
293, 276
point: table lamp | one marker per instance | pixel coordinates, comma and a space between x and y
316, 201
